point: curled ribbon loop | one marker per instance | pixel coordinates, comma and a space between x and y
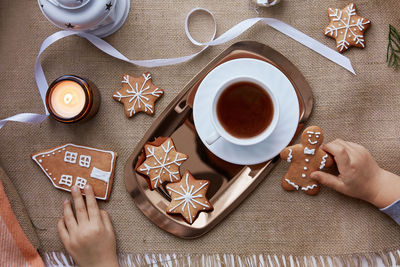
230, 34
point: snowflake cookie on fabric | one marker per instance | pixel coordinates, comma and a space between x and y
304, 159
188, 197
162, 163
346, 27
138, 94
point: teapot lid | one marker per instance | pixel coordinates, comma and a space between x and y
80, 15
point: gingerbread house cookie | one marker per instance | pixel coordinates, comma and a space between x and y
70, 165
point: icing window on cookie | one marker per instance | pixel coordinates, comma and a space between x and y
70, 157
66, 179
84, 161
80, 182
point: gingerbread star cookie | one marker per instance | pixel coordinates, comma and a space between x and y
346, 27
138, 94
162, 163
304, 159
188, 197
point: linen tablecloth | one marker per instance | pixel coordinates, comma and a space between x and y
363, 108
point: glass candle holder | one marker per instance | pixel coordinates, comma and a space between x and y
71, 99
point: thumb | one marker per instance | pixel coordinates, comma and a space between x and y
328, 180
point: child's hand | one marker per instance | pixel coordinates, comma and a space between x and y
359, 175
89, 238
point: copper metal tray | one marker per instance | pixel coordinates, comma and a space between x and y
229, 184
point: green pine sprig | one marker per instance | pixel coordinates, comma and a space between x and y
393, 49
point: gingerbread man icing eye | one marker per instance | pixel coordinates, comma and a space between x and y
317, 136
310, 135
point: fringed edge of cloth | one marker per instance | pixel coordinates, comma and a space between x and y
387, 258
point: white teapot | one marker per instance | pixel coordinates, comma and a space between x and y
98, 17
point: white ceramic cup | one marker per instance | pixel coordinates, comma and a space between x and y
220, 132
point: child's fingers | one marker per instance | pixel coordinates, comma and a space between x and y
106, 220
328, 180
339, 152
93, 209
80, 208
69, 217
62, 231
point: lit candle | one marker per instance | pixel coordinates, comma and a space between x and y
71, 99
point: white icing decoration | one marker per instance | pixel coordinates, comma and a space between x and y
188, 198
308, 151
304, 188
100, 175
305, 168
310, 132
84, 161
138, 95
309, 187
307, 160
70, 157
66, 179
323, 162
162, 164
290, 156
80, 182
303, 175
312, 142
292, 184
332, 30
40, 160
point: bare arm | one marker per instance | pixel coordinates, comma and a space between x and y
360, 176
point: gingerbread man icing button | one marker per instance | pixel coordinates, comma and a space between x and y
304, 159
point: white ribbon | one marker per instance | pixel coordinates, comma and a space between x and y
232, 33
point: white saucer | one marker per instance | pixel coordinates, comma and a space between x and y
288, 111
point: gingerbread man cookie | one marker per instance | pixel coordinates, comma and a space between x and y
346, 27
138, 94
304, 159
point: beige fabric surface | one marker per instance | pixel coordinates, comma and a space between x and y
363, 108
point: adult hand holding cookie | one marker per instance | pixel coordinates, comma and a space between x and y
359, 175
88, 236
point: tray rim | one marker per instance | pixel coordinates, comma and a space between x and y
147, 207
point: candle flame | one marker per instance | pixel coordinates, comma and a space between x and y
67, 98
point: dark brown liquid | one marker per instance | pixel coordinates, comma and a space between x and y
245, 110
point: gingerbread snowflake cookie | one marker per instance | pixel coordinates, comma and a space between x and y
138, 94
304, 159
346, 27
188, 197
162, 162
